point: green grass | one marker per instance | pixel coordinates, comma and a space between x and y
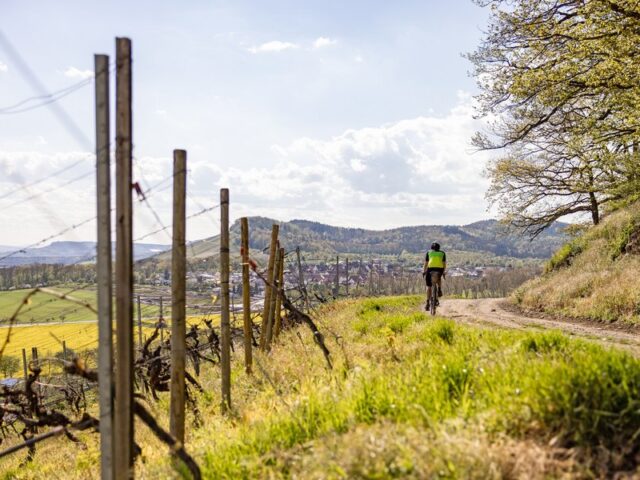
518, 384
45, 308
410, 397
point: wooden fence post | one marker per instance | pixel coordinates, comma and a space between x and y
246, 294
123, 414
178, 295
64, 354
161, 320
278, 317
346, 281
267, 288
272, 301
337, 287
104, 267
225, 333
34, 356
139, 323
24, 365
301, 285
274, 295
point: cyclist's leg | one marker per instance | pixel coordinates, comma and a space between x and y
429, 284
436, 276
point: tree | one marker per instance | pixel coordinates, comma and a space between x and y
9, 365
532, 191
559, 81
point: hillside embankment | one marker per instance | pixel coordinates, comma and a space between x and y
595, 276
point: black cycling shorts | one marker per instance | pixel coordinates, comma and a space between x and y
429, 272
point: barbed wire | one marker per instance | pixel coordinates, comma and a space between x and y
52, 189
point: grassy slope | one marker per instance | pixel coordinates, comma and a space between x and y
409, 397
594, 276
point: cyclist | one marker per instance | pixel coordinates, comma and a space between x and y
435, 262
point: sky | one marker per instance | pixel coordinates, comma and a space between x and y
355, 113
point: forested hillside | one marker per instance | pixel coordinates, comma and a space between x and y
486, 237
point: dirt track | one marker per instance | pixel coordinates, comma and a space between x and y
492, 311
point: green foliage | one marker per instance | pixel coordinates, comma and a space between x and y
9, 365
444, 330
568, 130
589, 402
564, 255
545, 342
622, 239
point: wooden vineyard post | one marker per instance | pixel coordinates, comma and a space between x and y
301, 285
278, 312
34, 356
36, 363
346, 280
178, 295
64, 354
104, 267
272, 300
161, 320
225, 333
246, 294
337, 287
24, 365
267, 288
139, 302
123, 413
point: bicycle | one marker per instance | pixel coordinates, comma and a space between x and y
434, 300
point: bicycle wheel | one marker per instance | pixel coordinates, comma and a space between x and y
435, 281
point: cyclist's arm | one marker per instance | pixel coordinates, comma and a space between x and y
444, 264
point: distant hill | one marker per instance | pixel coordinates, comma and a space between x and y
71, 252
487, 237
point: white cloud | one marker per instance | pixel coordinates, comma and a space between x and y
3, 67
73, 72
410, 172
273, 46
414, 171
321, 42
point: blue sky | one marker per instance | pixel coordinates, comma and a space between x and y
350, 113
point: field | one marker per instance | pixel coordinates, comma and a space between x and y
409, 397
48, 321
43, 308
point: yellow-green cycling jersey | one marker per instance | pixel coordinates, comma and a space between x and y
436, 259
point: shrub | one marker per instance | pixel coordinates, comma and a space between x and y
565, 255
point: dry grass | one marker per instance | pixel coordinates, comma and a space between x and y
592, 276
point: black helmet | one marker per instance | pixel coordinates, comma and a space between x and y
435, 246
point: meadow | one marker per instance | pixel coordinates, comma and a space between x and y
409, 396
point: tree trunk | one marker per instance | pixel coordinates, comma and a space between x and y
595, 211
